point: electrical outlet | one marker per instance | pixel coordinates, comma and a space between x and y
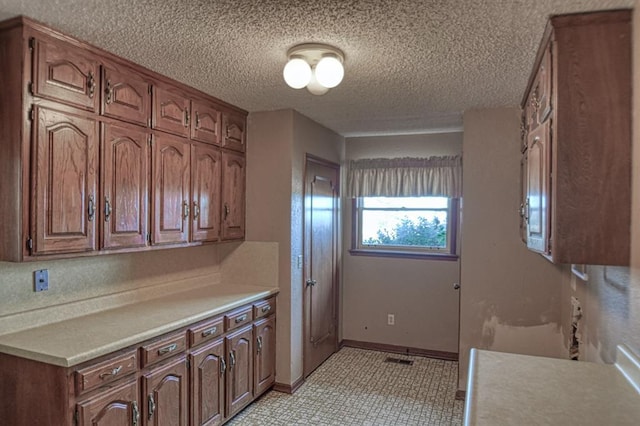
391, 319
41, 280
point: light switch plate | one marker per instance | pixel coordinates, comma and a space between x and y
41, 280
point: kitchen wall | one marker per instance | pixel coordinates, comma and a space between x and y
610, 298
278, 143
419, 292
510, 296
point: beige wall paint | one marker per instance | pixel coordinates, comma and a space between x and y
610, 299
419, 292
278, 143
510, 296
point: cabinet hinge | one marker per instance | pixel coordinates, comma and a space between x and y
149, 237
30, 243
149, 89
30, 88
32, 43
148, 122
75, 418
149, 140
188, 364
32, 114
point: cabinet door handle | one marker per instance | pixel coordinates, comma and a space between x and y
91, 84
232, 359
226, 211
311, 283
167, 349
107, 209
241, 318
152, 406
259, 341
135, 413
185, 210
223, 366
266, 309
113, 372
196, 210
186, 118
197, 121
526, 210
108, 93
91, 211
209, 331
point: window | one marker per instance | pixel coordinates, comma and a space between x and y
405, 227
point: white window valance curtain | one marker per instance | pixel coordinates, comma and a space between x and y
405, 177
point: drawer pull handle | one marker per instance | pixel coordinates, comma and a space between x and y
113, 372
167, 349
209, 331
241, 318
266, 309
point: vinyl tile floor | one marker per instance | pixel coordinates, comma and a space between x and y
357, 387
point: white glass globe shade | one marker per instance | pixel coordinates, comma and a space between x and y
297, 73
314, 87
329, 71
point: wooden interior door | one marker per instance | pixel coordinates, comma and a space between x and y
537, 209
125, 158
208, 369
265, 339
321, 254
115, 407
239, 370
170, 190
206, 175
66, 161
233, 195
164, 391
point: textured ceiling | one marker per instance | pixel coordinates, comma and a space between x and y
411, 66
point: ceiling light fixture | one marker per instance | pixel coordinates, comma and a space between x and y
318, 67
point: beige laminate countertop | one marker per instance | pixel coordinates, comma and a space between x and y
510, 389
73, 341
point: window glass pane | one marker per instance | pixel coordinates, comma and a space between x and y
421, 228
405, 202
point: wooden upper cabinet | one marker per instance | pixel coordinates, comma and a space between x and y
234, 131
265, 349
114, 407
170, 111
164, 391
205, 123
170, 186
239, 370
64, 206
206, 176
125, 96
233, 195
125, 158
64, 73
537, 209
208, 371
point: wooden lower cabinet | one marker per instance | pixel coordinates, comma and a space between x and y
164, 391
239, 369
208, 368
264, 375
114, 407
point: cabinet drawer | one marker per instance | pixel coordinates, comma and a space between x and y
206, 331
163, 349
239, 318
105, 372
264, 308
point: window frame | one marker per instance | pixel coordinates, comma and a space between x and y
405, 252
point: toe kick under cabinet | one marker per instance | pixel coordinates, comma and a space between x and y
100, 155
202, 374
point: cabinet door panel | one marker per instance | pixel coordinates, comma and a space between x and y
538, 191
206, 174
207, 384
113, 407
125, 96
170, 190
125, 191
164, 391
205, 126
265, 365
64, 74
233, 128
240, 370
66, 157
170, 112
233, 196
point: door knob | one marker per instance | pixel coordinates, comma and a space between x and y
311, 282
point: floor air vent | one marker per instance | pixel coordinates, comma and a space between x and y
398, 361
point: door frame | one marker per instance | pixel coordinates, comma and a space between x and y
336, 258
